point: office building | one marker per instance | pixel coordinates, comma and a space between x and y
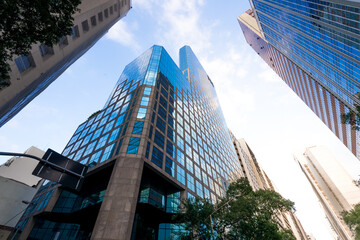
18, 187
314, 46
32, 73
259, 180
161, 136
334, 187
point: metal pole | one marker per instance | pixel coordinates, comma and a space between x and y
212, 230
211, 225
43, 161
13, 237
18, 228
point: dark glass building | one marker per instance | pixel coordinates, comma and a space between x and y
317, 46
161, 136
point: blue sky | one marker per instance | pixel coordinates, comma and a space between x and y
257, 105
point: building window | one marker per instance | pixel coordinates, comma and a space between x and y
138, 128
133, 145
95, 158
115, 7
147, 150
93, 21
180, 175
100, 16
169, 166
120, 120
24, 62
85, 26
102, 141
111, 10
141, 113
147, 91
190, 182
75, 32
63, 41
144, 101
108, 152
45, 50
115, 134
106, 13
157, 157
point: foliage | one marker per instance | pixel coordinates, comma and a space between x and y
94, 114
241, 214
352, 219
353, 117
24, 23
195, 222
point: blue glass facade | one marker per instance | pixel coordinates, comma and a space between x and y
314, 46
170, 118
183, 114
322, 37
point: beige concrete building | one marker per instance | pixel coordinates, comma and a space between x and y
17, 188
259, 180
31, 74
335, 188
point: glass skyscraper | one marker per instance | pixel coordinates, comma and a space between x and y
161, 136
317, 43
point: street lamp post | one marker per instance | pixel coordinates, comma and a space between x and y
211, 222
57, 168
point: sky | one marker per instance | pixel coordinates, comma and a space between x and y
258, 106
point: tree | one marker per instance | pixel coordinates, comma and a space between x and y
24, 23
352, 219
195, 221
241, 214
353, 117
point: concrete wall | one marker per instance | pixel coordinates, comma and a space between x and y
28, 84
20, 168
11, 197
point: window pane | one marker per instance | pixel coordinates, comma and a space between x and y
133, 145
141, 113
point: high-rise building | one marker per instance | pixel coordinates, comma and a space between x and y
314, 46
332, 184
18, 187
259, 180
32, 73
160, 136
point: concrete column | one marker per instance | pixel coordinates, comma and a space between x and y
117, 212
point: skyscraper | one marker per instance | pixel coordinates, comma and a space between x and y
332, 184
314, 47
258, 179
32, 73
160, 136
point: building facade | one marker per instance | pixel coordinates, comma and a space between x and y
314, 47
332, 184
18, 187
32, 73
161, 136
259, 180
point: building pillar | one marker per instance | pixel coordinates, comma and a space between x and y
117, 212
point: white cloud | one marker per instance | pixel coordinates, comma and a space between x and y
146, 5
178, 23
267, 74
181, 18
121, 33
